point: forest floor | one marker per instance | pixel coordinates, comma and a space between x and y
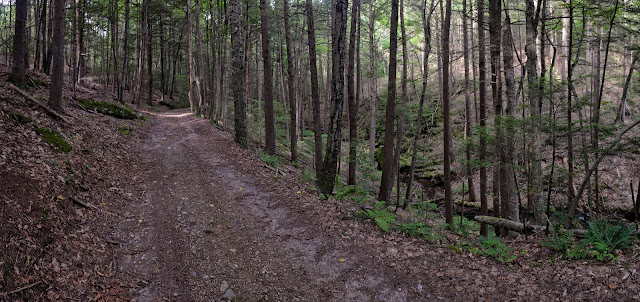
178, 212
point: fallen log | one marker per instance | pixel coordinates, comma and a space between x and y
519, 227
45, 107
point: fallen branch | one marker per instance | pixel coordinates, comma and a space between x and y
45, 107
23, 288
84, 204
519, 227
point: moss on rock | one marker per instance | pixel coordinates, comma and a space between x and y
54, 138
110, 109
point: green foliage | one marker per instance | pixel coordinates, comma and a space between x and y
18, 118
565, 243
605, 238
271, 160
422, 207
54, 138
382, 215
493, 247
352, 193
110, 109
419, 230
463, 226
125, 130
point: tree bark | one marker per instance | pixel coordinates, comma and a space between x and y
237, 73
57, 69
326, 179
496, 94
482, 95
467, 101
290, 82
125, 61
19, 68
351, 98
200, 79
446, 100
386, 183
372, 84
315, 94
267, 88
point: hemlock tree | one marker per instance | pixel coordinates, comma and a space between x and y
327, 177
386, 182
57, 69
267, 88
237, 73
19, 68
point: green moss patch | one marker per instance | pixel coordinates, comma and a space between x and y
52, 137
110, 109
18, 118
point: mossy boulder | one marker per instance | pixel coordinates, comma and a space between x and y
110, 109
54, 138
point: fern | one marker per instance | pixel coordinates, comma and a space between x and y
382, 215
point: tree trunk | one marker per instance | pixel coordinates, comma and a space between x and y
19, 68
315, 94
372, 84
508, 188
482, 95
446, 99
351, 98
532, 16
496, 94
192, 93
326, 179
237, 73
200, 79
623, 101
290, 82
401, 114
149, 59
386, 183
467, 101
125, 62
267, 88
57, 72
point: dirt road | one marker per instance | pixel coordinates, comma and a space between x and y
214, 223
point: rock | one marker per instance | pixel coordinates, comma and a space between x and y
193, 274
228, 294
224, 286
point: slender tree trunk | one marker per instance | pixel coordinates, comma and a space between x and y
446, 99
19, 68
571, 201
192, 93
532, 17
372, 83
482, 95
508, 189
43, 21
623, 101
125, 62
326, 179
200, 79
290, 82
351, 98
426, 28
386, 182
467, 101
149, 49
57, 72
401, 114
269, 123
315, 94
237, 73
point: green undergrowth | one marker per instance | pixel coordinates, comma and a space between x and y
602, 241
18, 118
173, 104
110, 109
54, 138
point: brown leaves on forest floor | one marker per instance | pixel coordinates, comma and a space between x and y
50, 247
